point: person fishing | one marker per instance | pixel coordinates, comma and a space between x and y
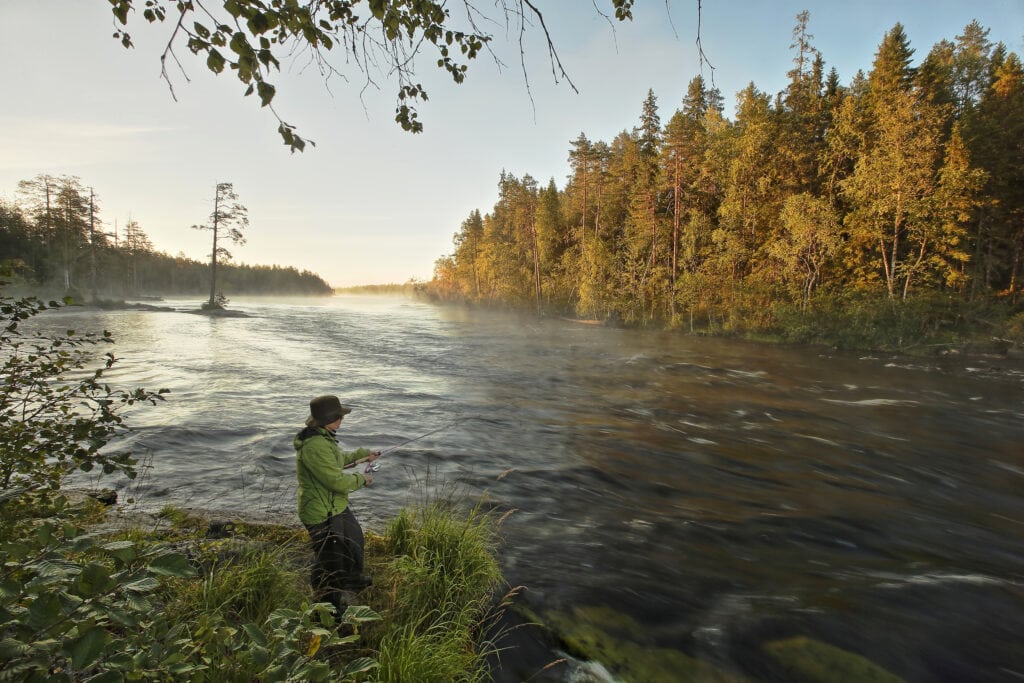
324, 509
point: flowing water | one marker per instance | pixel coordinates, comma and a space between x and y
719, 493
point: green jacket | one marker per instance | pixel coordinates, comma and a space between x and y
324, 484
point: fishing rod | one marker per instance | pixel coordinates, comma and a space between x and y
373, 466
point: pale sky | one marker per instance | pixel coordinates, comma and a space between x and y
370, 203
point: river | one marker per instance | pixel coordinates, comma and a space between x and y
720, 493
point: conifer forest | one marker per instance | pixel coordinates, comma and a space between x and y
54, 239
899, 194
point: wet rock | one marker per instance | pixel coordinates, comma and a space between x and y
106, 497
220, 528
806, 659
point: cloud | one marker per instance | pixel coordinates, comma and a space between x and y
51, 143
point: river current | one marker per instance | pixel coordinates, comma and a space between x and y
720, 493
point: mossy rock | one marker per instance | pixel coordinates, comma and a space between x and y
620, 644
806, 659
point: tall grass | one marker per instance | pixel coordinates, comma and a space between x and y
246, 613
440, 582
246, 587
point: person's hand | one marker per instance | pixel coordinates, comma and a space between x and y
369, 479
373, 456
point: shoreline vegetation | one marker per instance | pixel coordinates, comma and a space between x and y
410, 288
884, 212
927, 328
112, 593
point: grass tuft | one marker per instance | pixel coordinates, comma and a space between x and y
439, 584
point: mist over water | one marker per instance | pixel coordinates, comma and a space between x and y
721, 493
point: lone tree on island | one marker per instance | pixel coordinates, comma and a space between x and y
228, 220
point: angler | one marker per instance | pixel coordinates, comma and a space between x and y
324, 508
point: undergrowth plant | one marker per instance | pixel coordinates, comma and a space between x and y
444, 575
56, 411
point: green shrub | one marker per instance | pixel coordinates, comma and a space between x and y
69, 598
444, 575
56, 412
1014, 329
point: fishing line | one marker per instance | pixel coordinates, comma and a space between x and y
374, 466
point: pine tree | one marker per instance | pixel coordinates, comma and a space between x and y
970, 67
995, 140
684, 147
957, 202
891, 187
466, 259
136, 245
70, 227
227, 221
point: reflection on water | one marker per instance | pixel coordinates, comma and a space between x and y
721, 493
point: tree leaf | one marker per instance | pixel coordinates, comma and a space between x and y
143, 585
94, 579
122, 550
255, 634
10, 649
266, 92
87, 648
44, 611
358, 666
215, 61
172, 564
357, 614
314, 646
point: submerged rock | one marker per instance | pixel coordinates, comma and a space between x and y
618, 649
806, 659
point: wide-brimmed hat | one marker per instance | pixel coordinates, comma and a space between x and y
323, 410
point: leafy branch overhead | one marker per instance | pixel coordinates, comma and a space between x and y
377, 37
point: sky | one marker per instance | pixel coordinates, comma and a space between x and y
370, 203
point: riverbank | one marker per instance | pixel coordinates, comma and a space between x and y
185, 595
922, 327
438, 610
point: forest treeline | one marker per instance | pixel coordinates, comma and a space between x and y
899, 197
53, 237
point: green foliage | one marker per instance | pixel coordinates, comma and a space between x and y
810, 206
250, 37
245, 587
923, 325
56, 412
75, 604
443, 574
1015, 328
71, 600
219, 303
